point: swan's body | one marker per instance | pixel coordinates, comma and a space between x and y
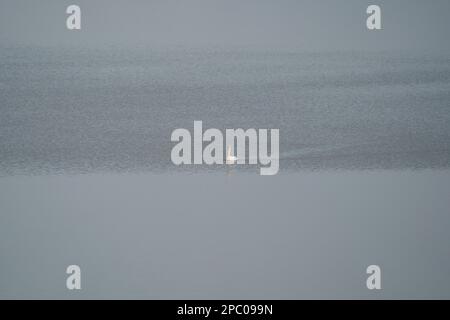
230, 159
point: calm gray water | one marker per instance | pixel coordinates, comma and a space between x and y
81, 110
211, 236
298, 234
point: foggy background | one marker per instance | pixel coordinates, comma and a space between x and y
308, 25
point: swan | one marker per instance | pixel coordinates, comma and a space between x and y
230, 159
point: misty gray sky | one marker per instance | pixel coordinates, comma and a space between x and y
308, 25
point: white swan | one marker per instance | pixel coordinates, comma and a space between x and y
230, 159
